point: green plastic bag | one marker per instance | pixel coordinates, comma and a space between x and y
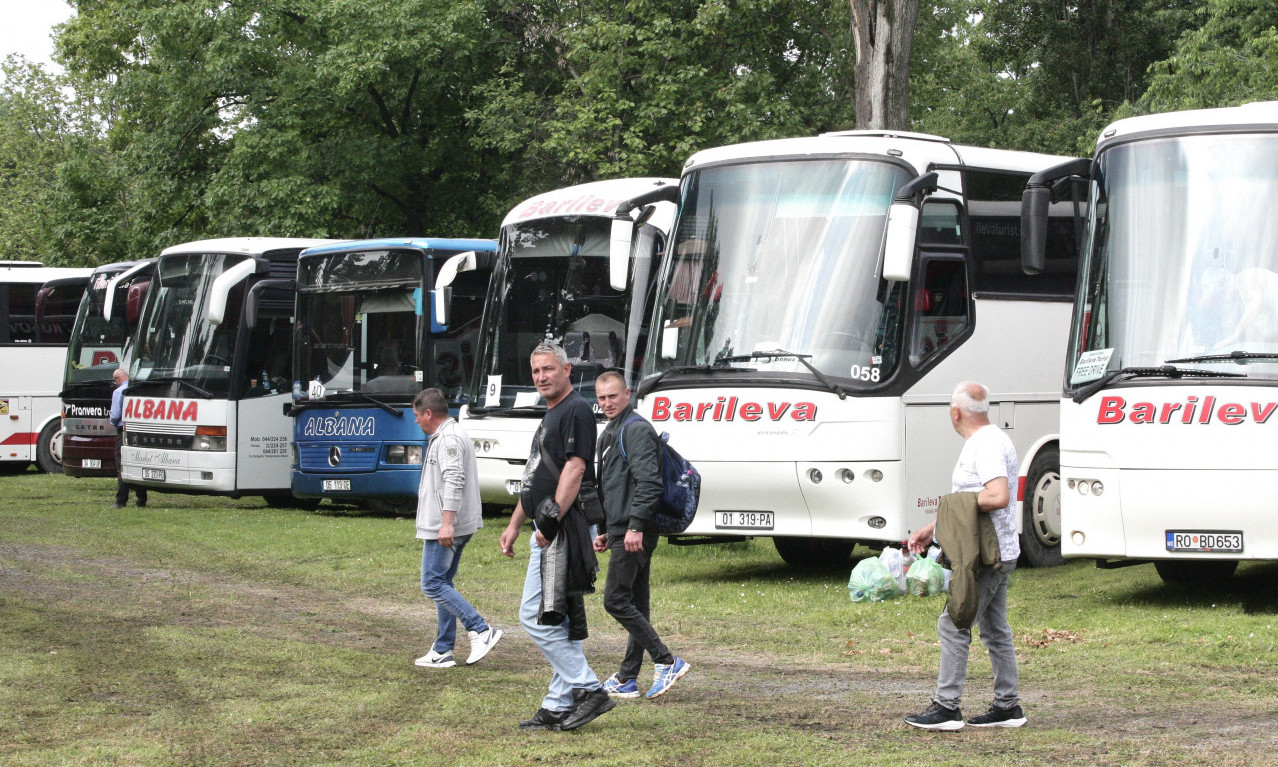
871, 582
925, 578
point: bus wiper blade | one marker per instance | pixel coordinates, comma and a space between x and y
1238, 356
1165, 371
803, 358
205, 393
389, 408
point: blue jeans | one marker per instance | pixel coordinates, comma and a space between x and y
567, 659
439, 566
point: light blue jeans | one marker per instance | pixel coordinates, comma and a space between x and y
567, 659
996, 635
439, 567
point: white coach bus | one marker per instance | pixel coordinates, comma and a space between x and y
552, 281
37, 309
211, 372
805, 341
1171, 374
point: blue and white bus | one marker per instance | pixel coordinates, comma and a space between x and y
377, 322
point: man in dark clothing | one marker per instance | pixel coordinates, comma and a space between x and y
566, 439
121, 380
631, 488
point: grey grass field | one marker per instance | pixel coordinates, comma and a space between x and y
205, 630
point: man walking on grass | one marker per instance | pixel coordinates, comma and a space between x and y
562, 457
631, 485
448, 514
987, 466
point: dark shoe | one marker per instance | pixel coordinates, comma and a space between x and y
141, 504
544, 719
999, 717
117, 505
937, 717
587, 705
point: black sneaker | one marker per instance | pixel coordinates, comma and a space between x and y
117, 505
586, 706
937, 717
999, 717
544, 719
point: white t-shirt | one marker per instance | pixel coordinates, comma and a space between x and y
989, 454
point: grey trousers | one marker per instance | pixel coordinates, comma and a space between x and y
996, 635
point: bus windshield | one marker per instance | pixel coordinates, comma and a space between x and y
781, 256
175, 338
1180, 263
551, 282
358, 322
96, 342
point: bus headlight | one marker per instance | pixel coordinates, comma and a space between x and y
209, 438
404, 454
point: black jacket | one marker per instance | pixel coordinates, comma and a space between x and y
568, 568
630, 488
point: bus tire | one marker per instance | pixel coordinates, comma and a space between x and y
1203, 572
814, 553
49, 447
1041, 536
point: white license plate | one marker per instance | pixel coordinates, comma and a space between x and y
1207, 541
743, 520
153, 474
512, 486
337, 484
91, 463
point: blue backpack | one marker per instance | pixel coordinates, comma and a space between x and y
681, 483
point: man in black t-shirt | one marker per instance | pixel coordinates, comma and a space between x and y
567, 437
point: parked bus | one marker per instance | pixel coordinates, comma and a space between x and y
1171, 373
552, 281
377, 322
210, 373
822, 298
37, 309
104, 326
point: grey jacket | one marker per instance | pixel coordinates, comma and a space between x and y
450, 481
630, 488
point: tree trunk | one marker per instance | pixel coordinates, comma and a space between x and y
884, 34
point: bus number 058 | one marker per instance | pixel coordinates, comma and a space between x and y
865, 373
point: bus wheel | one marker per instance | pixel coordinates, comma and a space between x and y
814, 553
1041, 536
49, 448
385, 506
1203, 572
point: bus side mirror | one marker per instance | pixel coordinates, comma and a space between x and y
1035, 201
903, 227
623, 229
902, 231
221, 289
669, 343
441, 300
133, 304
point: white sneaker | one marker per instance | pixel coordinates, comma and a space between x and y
434, 659
480, 644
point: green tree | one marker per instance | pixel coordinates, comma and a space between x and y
1228, 57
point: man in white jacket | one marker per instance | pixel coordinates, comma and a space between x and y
448, 514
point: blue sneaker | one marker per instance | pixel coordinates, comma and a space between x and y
619, 689
664, 675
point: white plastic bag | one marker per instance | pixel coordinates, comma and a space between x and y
896, 565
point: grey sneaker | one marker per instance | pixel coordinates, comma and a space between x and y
481, 643
999, 717
937, 717
434, 659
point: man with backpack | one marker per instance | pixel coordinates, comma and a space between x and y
631, 484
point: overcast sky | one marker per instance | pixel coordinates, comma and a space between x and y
26, 26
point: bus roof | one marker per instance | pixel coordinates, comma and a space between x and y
416, 243
921, 150
41, 274
1261, 115
597, 198
253, 246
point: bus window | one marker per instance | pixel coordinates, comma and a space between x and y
940, 307
21, 312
